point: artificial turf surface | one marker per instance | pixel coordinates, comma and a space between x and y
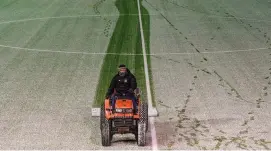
126, 38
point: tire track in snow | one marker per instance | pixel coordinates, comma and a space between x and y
232, 89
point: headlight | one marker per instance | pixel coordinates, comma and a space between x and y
124, 110
118, 110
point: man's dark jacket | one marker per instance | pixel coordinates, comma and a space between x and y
122, 84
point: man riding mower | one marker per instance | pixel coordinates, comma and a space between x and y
123, 84
123, 111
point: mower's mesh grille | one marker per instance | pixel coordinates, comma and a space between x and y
123, 122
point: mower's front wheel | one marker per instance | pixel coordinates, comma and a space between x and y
142, 124
105, 126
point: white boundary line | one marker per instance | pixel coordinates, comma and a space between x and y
94, 15
153, 131
133, 54
75, 16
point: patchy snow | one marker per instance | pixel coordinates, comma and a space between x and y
211, 100
46, 97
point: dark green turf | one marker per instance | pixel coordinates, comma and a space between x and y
146, 29
126, 38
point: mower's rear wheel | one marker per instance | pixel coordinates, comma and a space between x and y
146, 111
142, 124
105, 127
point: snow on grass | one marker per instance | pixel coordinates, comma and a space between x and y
213, 100
46, 97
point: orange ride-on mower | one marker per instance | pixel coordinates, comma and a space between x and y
123, 120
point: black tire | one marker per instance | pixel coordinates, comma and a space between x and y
102, 115
146, 115
136, 137
142, 124
105, 126
136, 132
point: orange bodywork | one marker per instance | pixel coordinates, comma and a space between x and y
120, 103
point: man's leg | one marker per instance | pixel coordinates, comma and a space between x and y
113, 102
134, 102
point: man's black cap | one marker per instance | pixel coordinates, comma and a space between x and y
122, 65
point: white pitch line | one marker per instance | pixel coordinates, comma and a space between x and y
153, 131
75, 16
105, 15
133, 54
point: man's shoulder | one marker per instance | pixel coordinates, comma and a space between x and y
131, 75
115, 76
